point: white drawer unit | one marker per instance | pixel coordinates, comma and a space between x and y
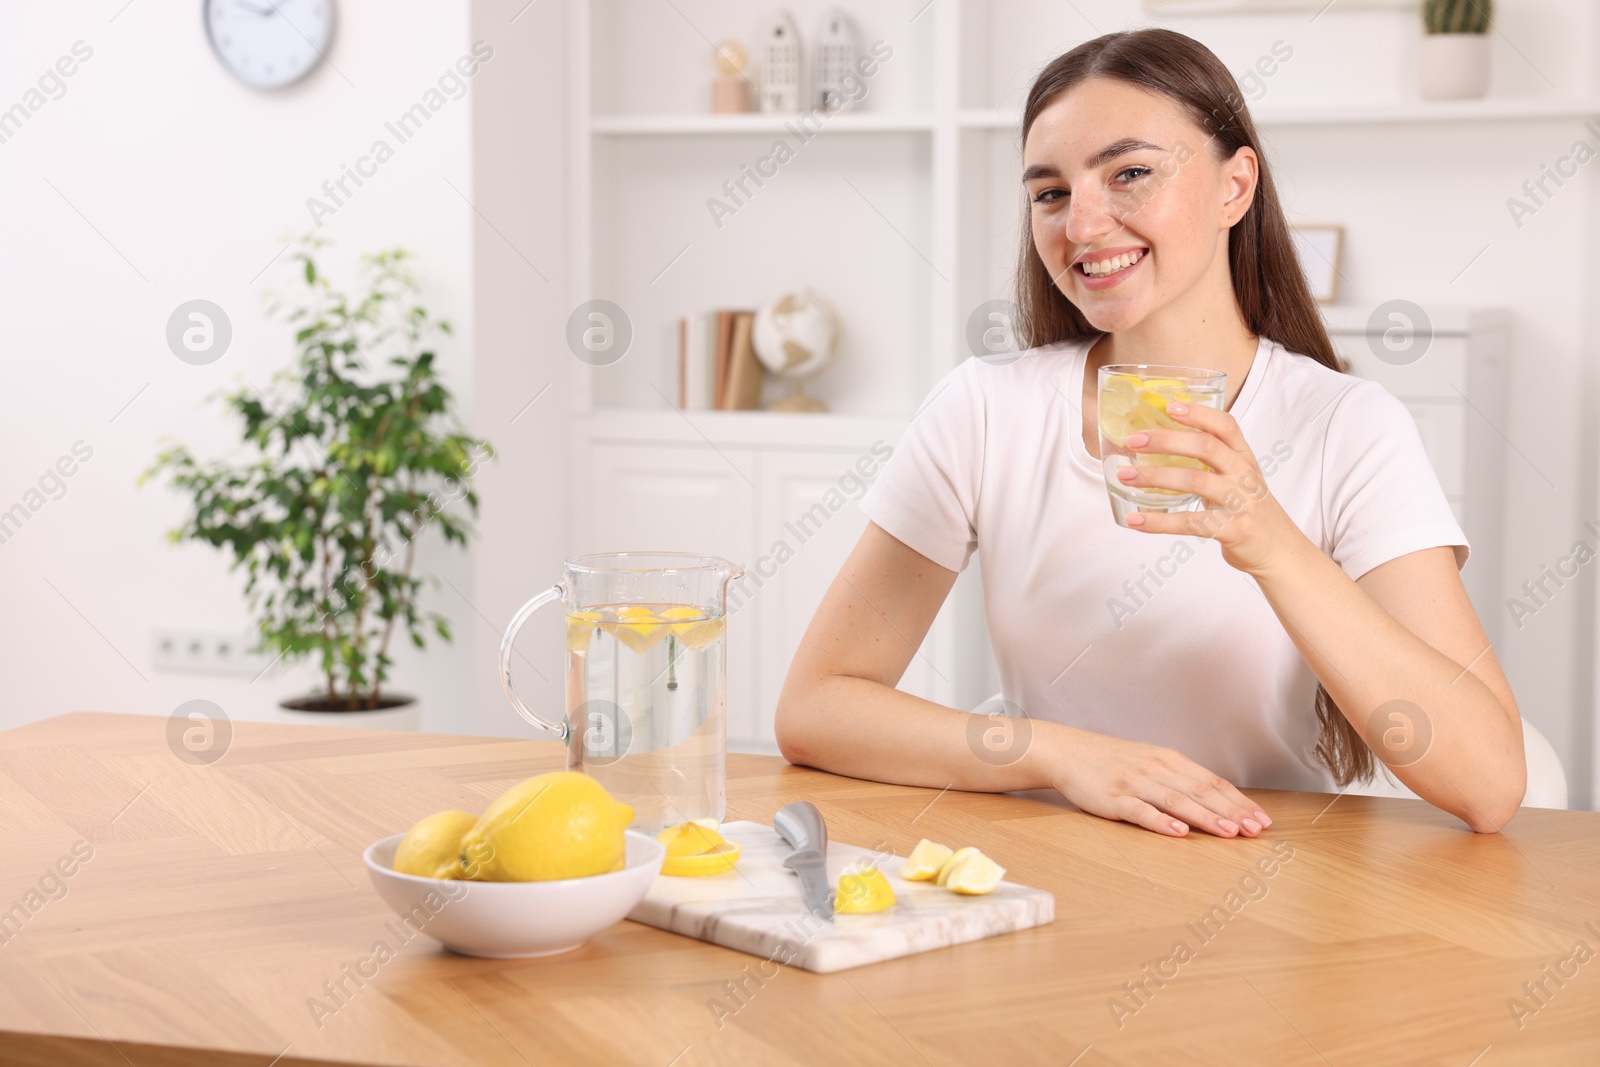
766, 492
1452, 375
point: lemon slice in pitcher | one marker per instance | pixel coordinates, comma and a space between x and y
580, 629
636, 626
694, 630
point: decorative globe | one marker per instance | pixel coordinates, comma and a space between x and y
796, 336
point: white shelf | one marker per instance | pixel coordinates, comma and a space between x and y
1359, 114
757, 122
664, 425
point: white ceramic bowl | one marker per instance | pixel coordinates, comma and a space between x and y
508, 920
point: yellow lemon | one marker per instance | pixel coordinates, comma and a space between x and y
862, 890
925, 860
430, 848
690, 839
558, 825
958, 856
975, 875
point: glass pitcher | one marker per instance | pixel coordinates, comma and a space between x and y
646, 679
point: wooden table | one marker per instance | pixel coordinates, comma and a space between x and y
207, 905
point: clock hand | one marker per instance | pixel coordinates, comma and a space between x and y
263, 12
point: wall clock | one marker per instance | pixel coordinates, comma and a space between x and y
268, 44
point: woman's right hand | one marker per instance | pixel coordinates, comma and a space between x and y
1150, 786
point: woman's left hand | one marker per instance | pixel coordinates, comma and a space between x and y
1241, 514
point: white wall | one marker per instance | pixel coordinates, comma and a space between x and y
155, 179
171, 182
521, 305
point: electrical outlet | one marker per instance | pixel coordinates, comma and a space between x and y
208, 652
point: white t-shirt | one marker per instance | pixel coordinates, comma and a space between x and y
1153, 637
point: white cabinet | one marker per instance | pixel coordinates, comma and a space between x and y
759, 490
794, 493
1455, 384
646, 498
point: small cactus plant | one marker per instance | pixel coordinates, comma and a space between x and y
1457, 16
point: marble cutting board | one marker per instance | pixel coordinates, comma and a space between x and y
757, 908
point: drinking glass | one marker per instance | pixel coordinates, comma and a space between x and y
1133, 397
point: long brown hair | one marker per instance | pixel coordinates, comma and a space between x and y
1268, 284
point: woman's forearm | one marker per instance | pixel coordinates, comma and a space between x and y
1372, 665
864, 729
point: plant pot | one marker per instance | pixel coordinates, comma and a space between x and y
398, 712
1453, 66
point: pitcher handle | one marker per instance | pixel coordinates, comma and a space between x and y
555, 592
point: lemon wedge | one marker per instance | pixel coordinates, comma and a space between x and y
716, 861
975, 875
862, 890
690, 839
925, 860
949, 865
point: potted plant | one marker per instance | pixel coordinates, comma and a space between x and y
348, 466
1453, 61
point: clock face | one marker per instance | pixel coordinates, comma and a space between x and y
269, 43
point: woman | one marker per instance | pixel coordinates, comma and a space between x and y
1311, 613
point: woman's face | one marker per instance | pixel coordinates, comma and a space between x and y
1130, 208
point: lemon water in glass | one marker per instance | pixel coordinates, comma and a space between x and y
1133, 397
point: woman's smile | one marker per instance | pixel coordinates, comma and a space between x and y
1107, 267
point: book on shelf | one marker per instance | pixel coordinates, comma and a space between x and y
717, 365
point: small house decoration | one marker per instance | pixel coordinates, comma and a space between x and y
833, 57
779, 58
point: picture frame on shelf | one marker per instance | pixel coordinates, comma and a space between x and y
1319, 247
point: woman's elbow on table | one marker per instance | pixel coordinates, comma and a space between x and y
1492, 807
1503, 807
790, 727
